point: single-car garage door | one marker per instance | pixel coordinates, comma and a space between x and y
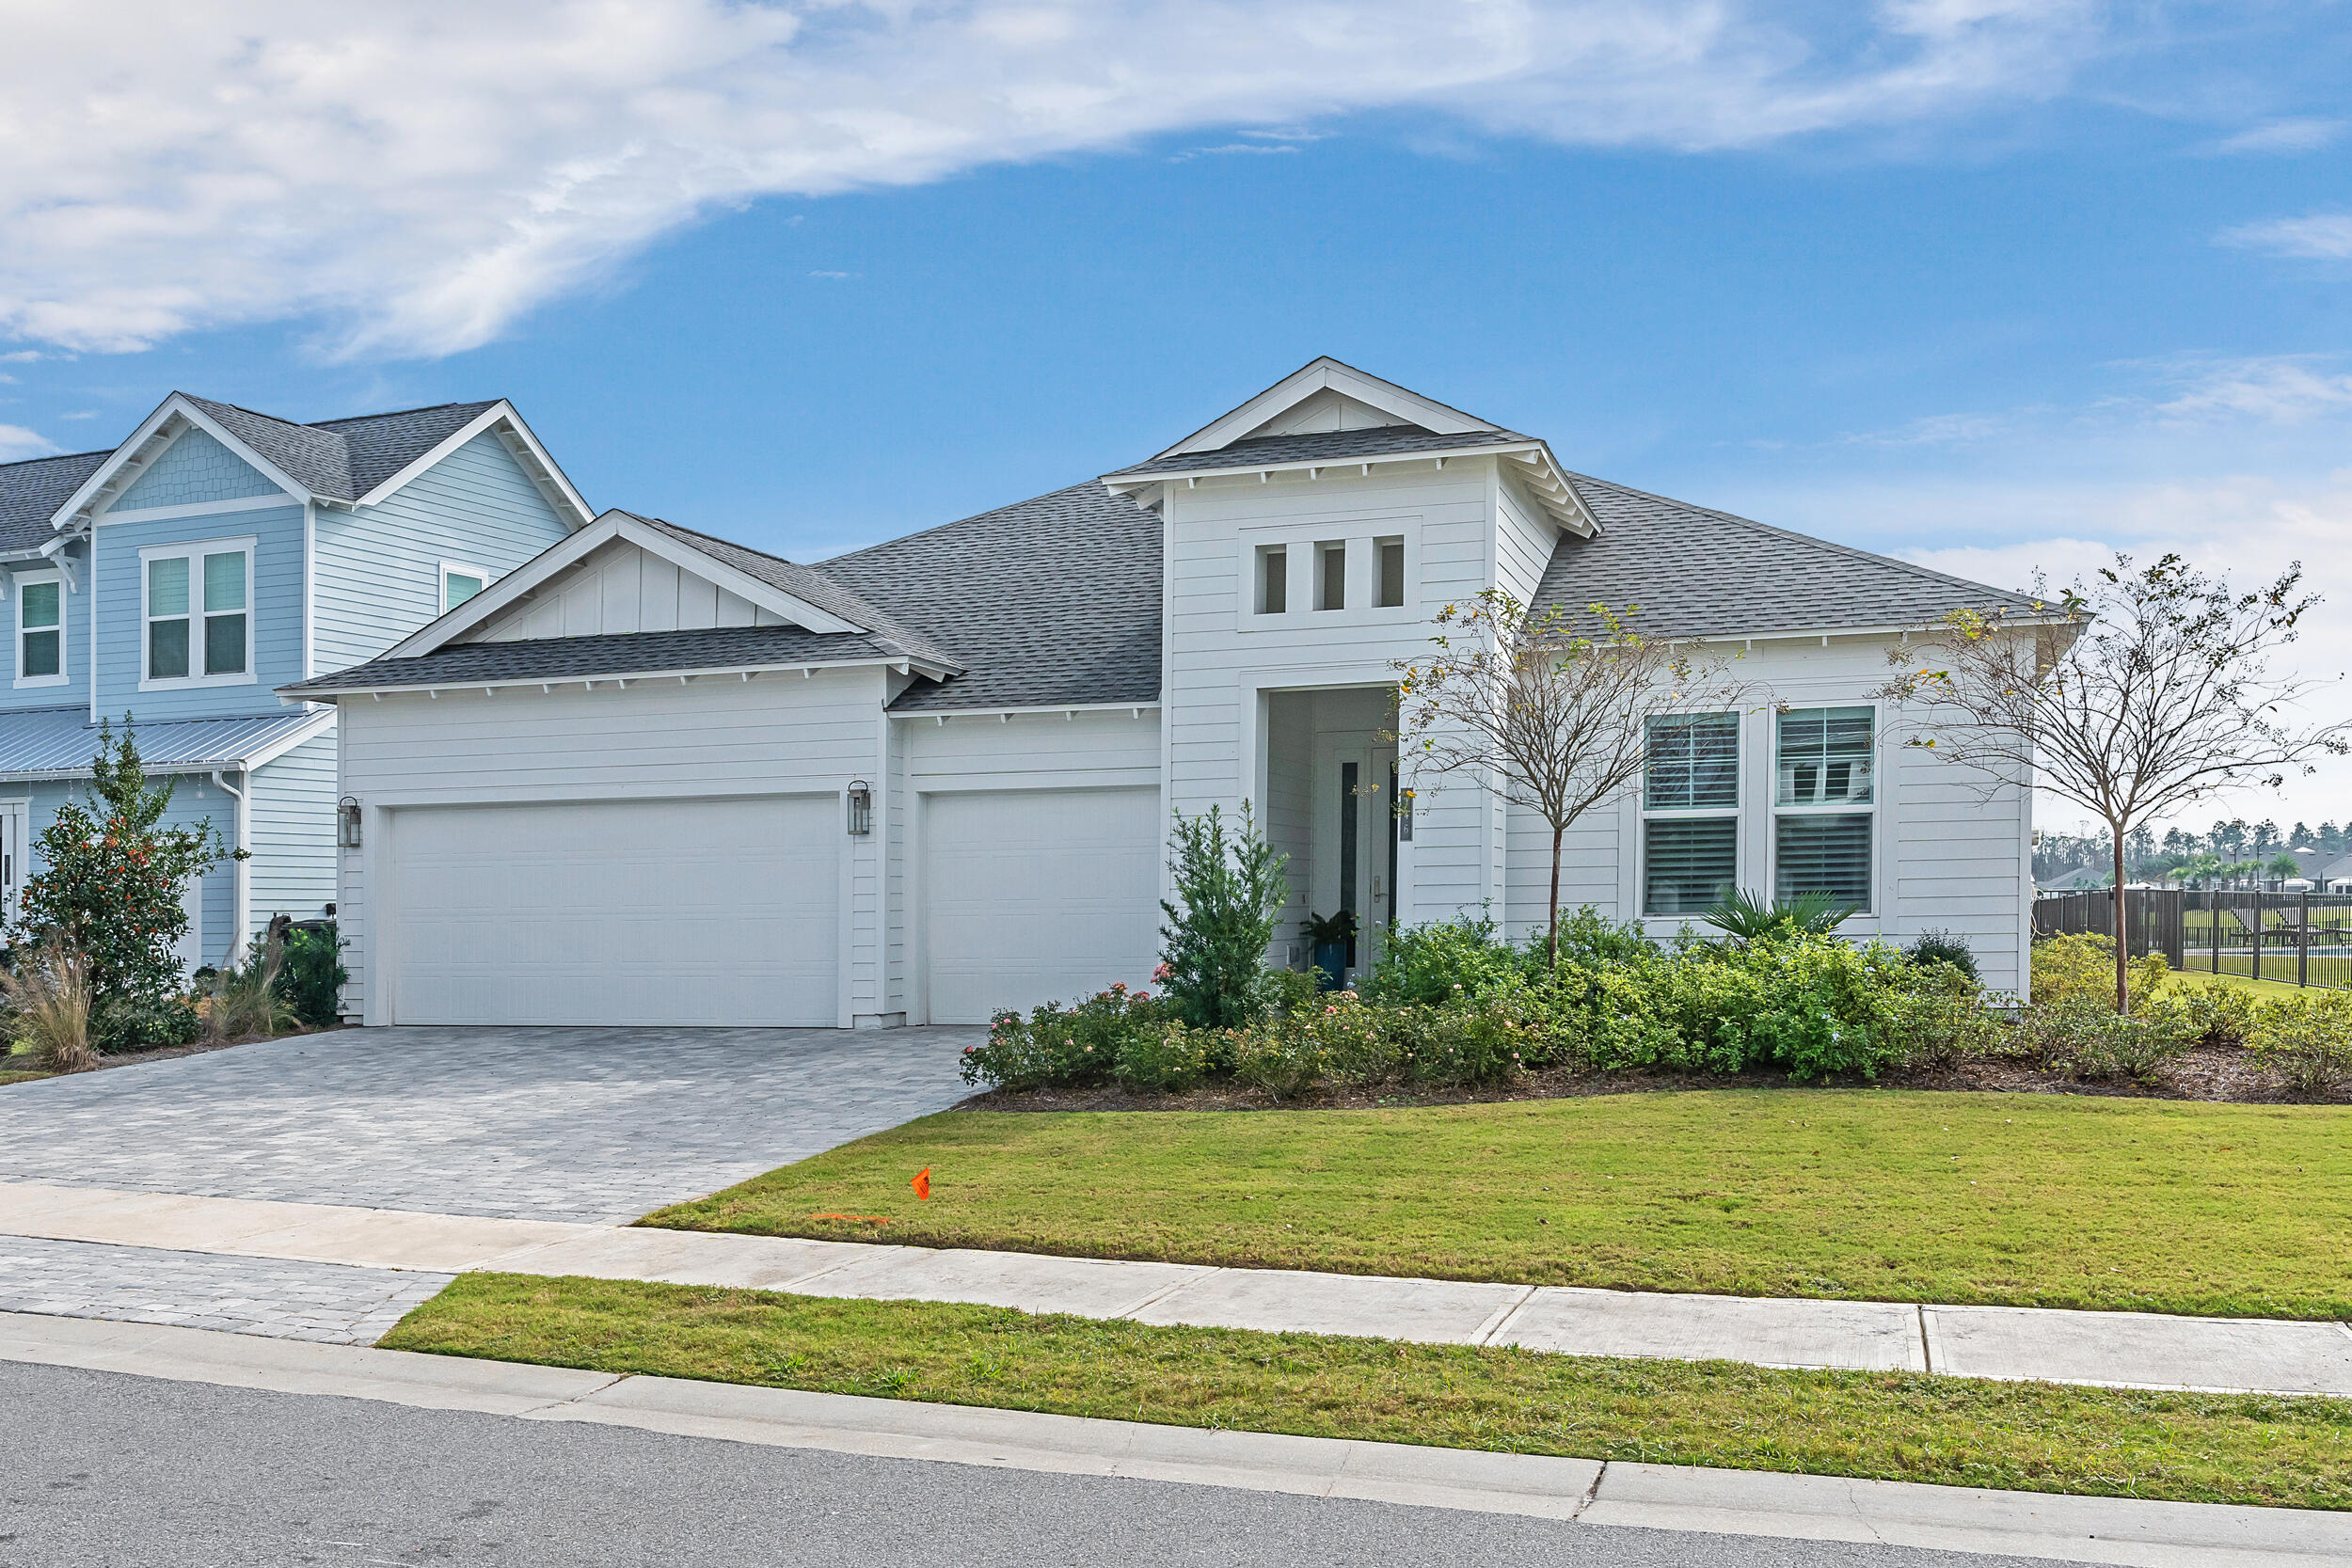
616, 911
1036, 895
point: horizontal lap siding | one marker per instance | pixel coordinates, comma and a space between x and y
1212, 547
292, 828
73, 612
276, 610
380, 570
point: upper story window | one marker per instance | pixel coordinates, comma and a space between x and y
1823, 805
1392, 557
198, 611
1691, 812
1274, 580
460, 583
1331, 574
40, 629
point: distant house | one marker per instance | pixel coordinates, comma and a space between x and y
655, 777
213, 555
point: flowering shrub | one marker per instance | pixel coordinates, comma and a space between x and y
1055, 1045
1173, 1058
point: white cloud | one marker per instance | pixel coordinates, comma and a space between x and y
2306, 135
415, 178
2319, 236
2281, 389
18, 443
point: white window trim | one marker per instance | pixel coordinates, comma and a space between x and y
1303, 541
65, 675
1690, 813
1870, 808
195, 551
461, 569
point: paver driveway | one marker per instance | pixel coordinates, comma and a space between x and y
557, 1124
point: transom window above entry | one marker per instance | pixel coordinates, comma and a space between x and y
197, 613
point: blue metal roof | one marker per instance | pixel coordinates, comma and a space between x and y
59, 743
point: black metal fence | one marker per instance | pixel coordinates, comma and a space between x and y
2302, 938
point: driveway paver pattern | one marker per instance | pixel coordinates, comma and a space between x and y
588, 1125
331, 1303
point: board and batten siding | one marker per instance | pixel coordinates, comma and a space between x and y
712, 737
276, 608
1221, 657
1078, 749
73, 602
379, 569
195, 469
291, 823
621, 588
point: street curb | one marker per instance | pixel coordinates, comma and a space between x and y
1720, 1502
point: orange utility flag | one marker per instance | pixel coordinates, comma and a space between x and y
922, 1182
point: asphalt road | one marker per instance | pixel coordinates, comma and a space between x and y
105, 1468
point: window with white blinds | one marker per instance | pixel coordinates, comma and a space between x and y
1687, 862
1823, 805
1689, 807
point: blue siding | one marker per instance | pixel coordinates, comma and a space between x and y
276, 612
194, 799
194, 468
379, 574
75, 692
292, 832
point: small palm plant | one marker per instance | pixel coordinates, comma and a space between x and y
48, 996
1745, 917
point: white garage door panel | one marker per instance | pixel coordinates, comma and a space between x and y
1037, 895
623, 912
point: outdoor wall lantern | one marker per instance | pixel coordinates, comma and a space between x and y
861, 808
347, 822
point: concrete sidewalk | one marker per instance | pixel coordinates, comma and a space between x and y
2105, 1349
1585, 1492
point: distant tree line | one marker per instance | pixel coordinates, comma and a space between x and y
2230, 853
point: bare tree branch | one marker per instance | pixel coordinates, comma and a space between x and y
2141, 694
1546, 716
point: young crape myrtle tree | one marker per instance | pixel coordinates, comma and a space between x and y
2147, 690
1551, 711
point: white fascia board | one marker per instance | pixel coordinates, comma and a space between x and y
499, 415
1303, 383
1554, 491
319, 724
100, 481
1815, 634
911, 715
656, 677
452, 625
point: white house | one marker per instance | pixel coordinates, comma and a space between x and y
651, 777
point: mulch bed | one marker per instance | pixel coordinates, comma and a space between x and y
2216, 1073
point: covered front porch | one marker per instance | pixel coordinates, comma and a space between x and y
1330, 790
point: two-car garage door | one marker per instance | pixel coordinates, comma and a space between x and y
616, 911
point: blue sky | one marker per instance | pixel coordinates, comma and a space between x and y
1989, 285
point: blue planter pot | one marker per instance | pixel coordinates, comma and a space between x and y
1331, 959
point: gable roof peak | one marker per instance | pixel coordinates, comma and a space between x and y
1335, 382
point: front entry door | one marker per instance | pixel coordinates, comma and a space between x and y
1355, 822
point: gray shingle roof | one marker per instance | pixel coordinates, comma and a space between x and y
1337, 445
31, 492
812, 586
635, 653
1696, 572
61, 741
344, 459
1050, 601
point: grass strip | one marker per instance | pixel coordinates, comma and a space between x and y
2040, 1437
12, 1075
2014, 1199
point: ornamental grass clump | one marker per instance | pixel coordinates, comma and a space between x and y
245, 1000
48, 995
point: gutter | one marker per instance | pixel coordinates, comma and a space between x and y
305, 692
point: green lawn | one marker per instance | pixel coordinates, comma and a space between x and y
2236, 981
9, 1075
2044, 1200
2295, 1453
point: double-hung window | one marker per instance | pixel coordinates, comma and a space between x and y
1823, 805
198, 612
1690, 812
40, 629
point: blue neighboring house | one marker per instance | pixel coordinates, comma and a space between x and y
214, 556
